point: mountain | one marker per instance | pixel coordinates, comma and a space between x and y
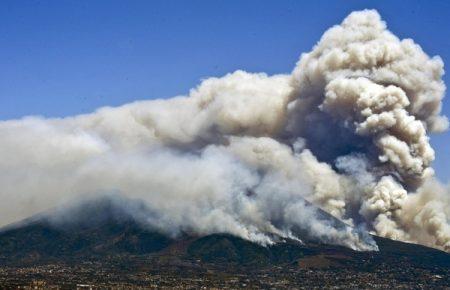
105, 246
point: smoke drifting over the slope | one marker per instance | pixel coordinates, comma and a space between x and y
254, 155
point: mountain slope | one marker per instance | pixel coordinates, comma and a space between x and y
112, 240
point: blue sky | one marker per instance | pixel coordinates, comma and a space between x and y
60, 58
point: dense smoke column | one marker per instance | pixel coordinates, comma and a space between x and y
381, 95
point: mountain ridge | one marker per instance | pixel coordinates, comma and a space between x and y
125, 247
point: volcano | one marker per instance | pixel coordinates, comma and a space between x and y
104, 246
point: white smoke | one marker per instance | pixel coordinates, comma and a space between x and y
256, 155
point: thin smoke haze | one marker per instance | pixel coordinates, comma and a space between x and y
257, 156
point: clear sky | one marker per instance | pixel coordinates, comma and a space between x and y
60, 58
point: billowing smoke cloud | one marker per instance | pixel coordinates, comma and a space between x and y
255, 155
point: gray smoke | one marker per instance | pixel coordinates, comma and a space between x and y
256, 155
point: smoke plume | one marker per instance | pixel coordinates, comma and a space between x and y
259, 156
